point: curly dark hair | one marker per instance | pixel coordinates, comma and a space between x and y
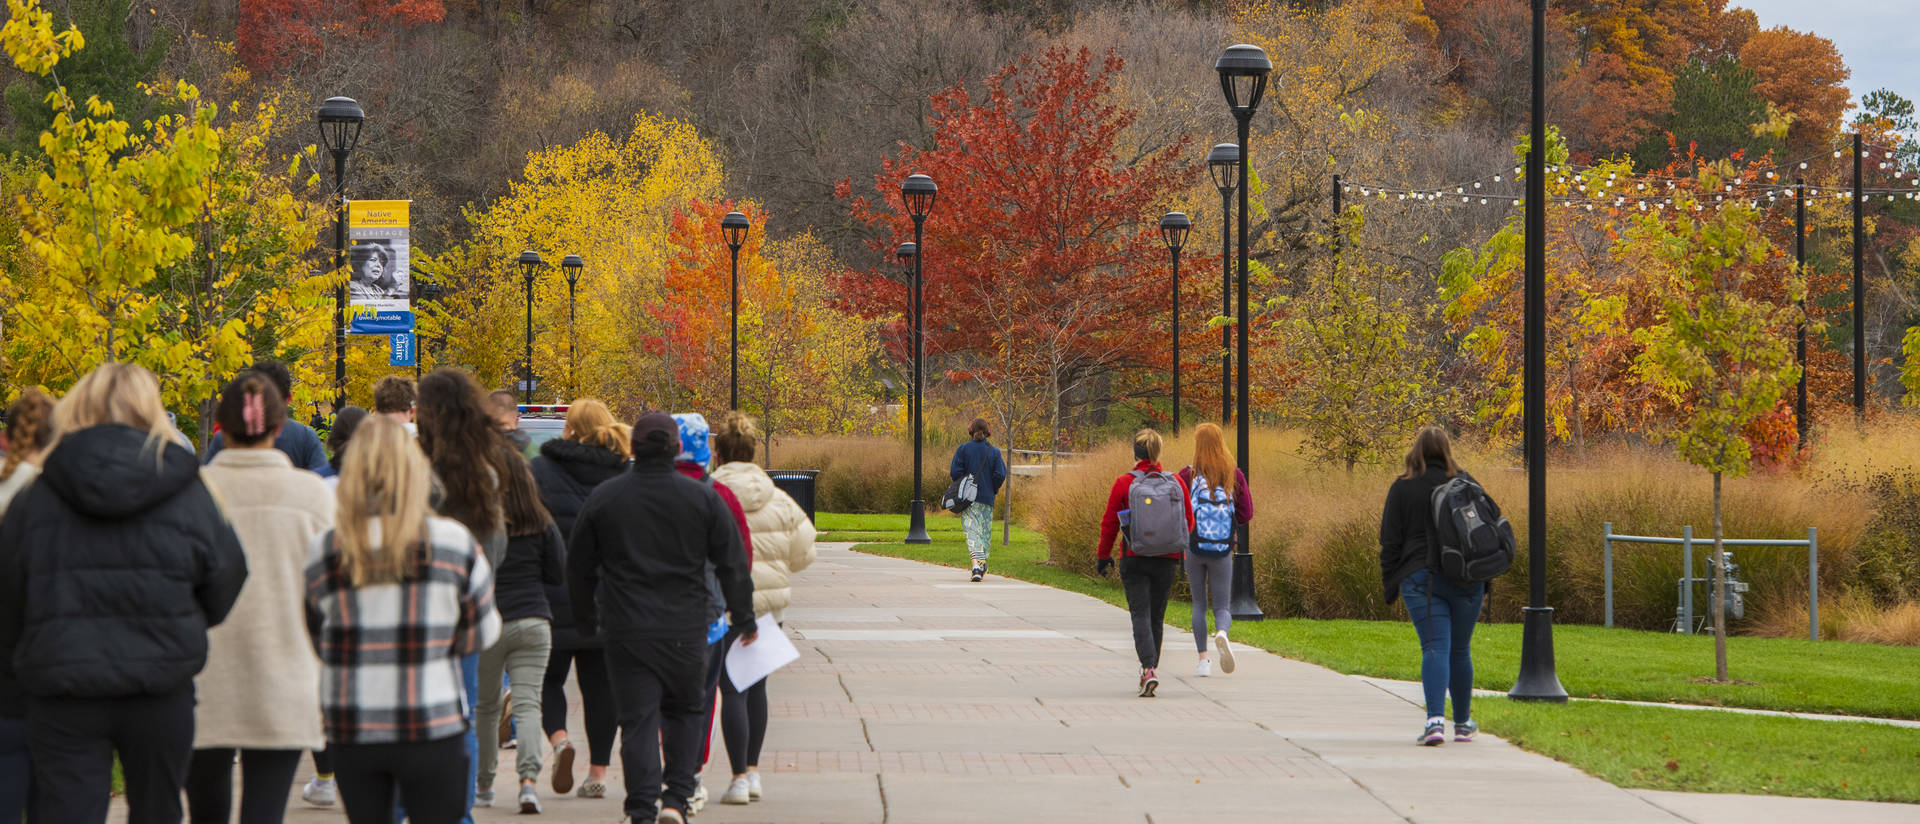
464, 445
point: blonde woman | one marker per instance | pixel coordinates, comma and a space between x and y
262, 683
395, 714
1150, 510
117, 559
782, 545
1219, 506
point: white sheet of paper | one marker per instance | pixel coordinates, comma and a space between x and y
771, 651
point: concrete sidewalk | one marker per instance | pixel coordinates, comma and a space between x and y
921, 698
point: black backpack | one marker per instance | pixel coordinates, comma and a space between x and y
1473, 543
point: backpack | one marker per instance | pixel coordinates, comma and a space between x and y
960, 495
1159, 514
1212, 519
1473, 542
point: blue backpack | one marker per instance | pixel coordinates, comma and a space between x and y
1212, 519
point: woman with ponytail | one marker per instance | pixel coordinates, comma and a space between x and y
261, 687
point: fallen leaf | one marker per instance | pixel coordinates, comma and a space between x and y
1673, 766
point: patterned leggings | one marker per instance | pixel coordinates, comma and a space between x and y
978, 523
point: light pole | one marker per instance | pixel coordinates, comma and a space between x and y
1173, 229
428, 291
571, 264
918, 192
530, 264
907, 253
734, 226
1243, 73
1537, 681
340, 119
1859, 295
1223, 164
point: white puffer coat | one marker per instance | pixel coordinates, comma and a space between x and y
782, 535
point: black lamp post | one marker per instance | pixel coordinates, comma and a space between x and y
1223, 164
1173, 229
1537, 681
427, 290
907, 253
734, 226
530, 264
1243, 73
918, 192
571, 264
340, 119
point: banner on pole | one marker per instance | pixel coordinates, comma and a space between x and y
402, 346
381, 323
379, 247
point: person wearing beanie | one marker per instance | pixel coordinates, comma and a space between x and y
653, 536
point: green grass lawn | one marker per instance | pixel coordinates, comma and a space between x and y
1627, 745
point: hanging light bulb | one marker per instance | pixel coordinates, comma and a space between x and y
1496, 178
1476, 184
1483, 201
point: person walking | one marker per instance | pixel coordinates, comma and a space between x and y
394, 713
300, 443
592, 449
28, 431
1217, 509
320, 790
117, 560
651, 536
1152, 508
261, 682
506, 416
782, 546
1443, 611
394, 396
696, 452
978, 459
535, 559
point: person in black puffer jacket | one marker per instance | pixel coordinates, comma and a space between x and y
592, 449
113, 564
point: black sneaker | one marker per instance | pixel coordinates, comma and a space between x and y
979, 571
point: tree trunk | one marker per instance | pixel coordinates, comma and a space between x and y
1006, 498
1719, 587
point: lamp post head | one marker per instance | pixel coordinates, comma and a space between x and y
918, 192
1174, 228
907, 252
1243, 77
1223, 164
572, 264
530, 262
431, 291
340, 119
734, 226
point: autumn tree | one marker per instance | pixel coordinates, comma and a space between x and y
117, 59
1801, 73
1717, 112
274, 34
1043, 262
1723, 357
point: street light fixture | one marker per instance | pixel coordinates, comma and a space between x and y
1223, 165
907, 253
571, 264
734, 227
340, 119
918, 193
1243, 71
530, 264
1174, 228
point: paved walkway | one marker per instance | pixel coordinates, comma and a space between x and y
921, 698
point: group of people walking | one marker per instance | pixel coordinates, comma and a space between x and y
383, 606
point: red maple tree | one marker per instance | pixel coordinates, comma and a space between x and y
273, 34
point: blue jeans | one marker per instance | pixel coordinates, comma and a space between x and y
1443, 614
470, 676
16, 770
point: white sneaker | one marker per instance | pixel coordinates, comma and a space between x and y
669, 815
753, 784
529, 800
1225, 650
482, 798
738, 792
318, 793
1205, 669
699, 800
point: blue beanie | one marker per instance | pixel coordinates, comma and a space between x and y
693, 438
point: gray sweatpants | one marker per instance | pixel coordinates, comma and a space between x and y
1212, 583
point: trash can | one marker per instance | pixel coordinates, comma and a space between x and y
798, 484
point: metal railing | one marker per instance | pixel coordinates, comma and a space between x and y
1686, 542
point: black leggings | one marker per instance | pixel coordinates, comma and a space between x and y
429, 779
596, 700
743, 723
265, 778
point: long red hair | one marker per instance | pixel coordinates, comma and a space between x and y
1211, 458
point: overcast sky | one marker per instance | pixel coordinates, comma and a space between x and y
1879, 39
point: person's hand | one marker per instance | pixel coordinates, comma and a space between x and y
748, 639
1103, 565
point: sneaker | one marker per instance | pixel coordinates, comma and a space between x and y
563, 768
979, 571
669, 815
482, 798
699, 800
319, 792
1435, 734
738, 792
591, 788
753, 784
529, 800
1465, 732
1225, 650
1205, 669
1149, 681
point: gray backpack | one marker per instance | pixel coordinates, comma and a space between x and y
1158, 513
